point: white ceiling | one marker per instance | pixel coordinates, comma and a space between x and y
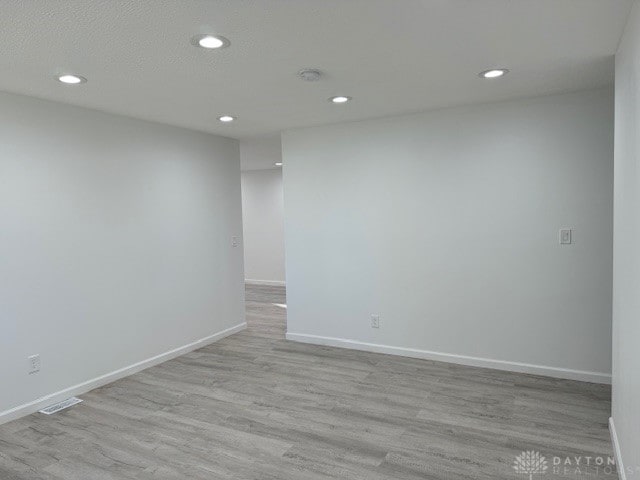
391, 56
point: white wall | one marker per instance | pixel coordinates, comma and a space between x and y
115, 244
262, 218
626, 268
260, 153
446, 225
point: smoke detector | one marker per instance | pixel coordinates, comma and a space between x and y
310, 74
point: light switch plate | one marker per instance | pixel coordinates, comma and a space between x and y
565, 236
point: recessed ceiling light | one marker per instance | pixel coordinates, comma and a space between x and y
210, 41
340, 99
226, 118
70, 79
278, 164
494, 73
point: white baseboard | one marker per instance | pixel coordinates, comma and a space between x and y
616, 450
273, 283
584, 376
84, 387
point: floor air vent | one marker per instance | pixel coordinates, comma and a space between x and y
69, 402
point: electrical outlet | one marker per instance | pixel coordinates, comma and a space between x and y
34, 364
565, 236
234, 241
375, 321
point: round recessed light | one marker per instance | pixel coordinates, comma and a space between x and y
226, 118
494, 73
71, 79
340, 99
278, 164
211, 42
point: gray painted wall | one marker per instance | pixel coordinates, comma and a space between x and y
262, 219
626, 268
115, 243
446, 225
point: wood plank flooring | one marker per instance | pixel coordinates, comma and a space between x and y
255, 406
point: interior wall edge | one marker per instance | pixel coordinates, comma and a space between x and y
274, 283
616, 450
554, 372
84, 387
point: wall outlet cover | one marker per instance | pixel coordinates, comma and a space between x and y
565, 236
34, 364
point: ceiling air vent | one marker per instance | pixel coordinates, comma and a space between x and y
310, 74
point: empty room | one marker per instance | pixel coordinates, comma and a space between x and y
319, 239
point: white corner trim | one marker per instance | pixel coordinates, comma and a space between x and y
580, 375
616, 450
84, 387
273, 283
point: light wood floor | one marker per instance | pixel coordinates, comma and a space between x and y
254, 406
